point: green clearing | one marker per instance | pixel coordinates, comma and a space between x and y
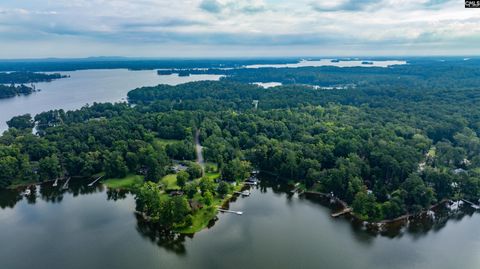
203, 216
128, 182
163, 142
170, 182
17, 183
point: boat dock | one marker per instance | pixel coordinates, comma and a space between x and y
343, 212
244, 193
473, 205
95, 181
65, 186
230, 211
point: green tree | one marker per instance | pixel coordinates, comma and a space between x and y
49, 168
21, 122
182, 178
223, 188
236, 170
417, 195
194, 171
190, 189
206, 185
115, 166
208, 198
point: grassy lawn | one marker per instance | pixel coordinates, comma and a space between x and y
170, 182
16, 183
212, 176
202, 217
129, 182
163, 142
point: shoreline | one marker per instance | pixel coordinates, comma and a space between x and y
345, 208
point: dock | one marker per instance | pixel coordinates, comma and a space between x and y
65, 186
343, 212
473, 205
230, 211
244, 193
95, 181
296, 188
55, 183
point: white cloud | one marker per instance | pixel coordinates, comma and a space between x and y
318, 26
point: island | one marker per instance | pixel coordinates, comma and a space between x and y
13, 83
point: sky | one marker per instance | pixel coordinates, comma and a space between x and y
237, 28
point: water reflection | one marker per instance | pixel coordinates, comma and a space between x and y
114, 195
417, 228
170, 241
9, 198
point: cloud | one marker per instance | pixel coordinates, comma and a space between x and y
212, 6
245, 26
233, 7
342, 5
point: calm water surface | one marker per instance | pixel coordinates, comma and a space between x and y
95, 228
86, 87
331, 62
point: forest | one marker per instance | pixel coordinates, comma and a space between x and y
7, 91
13, 83
388, 147
27, 77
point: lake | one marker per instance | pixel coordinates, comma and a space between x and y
331, 62
85, 87
92, 227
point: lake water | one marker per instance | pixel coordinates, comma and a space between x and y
331, 62
85, 87
95, 228
267, 85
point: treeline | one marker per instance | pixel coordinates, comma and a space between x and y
418, 73
12, 90
27, 77
114, 139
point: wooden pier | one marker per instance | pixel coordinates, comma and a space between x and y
65, 186
244, 193
471, 204
343, 212
230, 211
95, 181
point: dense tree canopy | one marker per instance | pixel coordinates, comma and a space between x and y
399, 141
